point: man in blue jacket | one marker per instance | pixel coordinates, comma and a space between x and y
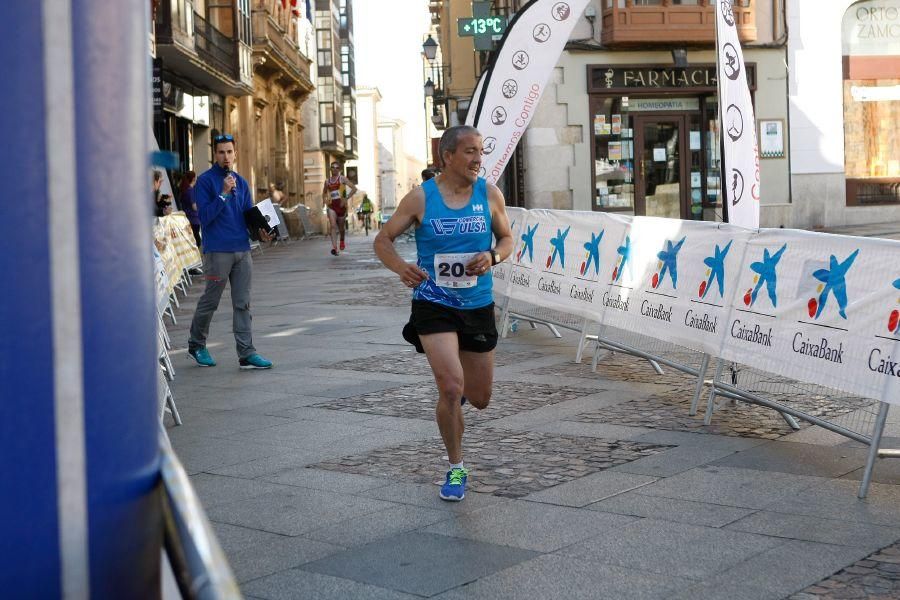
222, 196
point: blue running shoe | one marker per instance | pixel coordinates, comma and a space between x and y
454, 488
255, 361
201, 355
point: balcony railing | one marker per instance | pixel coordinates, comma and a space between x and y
273, 42
175, 23
642, 22
196, 51
214, 47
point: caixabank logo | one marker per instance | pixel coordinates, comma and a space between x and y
766, 274
592, 254
715, 272
624, 252
558, 248
832, 281
668, 264
527, 249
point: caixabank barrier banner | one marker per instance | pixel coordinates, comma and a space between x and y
820, 308
677, 280
558, 261
815, 307
501, 272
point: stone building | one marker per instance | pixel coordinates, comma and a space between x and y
844, 98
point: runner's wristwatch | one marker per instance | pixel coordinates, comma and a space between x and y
495, 258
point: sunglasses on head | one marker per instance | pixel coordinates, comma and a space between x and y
225, 137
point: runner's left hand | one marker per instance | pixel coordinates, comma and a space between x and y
264, 236
479, 265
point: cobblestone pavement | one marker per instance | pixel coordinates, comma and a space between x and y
408, 362
501, 462
617, 367
876, 577
417, 401
667, 407
669, 410
654, 412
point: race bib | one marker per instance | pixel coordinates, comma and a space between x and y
450, 270
335, 194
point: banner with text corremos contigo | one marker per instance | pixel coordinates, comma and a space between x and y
513, 87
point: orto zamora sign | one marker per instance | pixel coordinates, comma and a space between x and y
872, 28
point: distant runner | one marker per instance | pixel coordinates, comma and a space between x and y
334, 197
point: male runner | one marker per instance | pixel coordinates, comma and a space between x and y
452, 319
334, 197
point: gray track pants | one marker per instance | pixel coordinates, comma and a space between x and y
218, 269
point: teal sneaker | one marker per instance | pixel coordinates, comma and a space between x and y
255, 361
454, 488
201, 355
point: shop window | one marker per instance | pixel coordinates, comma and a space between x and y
871, 89
656, 156
613, 156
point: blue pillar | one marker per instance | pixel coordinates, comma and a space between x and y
79, 498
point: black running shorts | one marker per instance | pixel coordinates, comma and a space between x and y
475, 327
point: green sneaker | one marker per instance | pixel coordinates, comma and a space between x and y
201, 355
255, 361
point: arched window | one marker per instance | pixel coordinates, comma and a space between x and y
871, 67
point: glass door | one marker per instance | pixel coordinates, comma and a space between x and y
659, 168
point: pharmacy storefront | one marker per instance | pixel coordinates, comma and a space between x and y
655, 144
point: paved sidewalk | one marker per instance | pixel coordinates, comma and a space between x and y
320, 475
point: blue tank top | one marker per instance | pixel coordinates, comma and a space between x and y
445, 232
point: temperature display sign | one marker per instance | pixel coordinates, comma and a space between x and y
472, 26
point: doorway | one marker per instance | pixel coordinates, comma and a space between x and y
660, 170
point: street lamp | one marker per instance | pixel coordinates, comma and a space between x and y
429, 48
429, 88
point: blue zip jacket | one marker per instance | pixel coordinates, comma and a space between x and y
222, 221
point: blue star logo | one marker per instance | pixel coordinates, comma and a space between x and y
528, 243
625, 252
767, 274
669, 259
835, 282
716, 264
593, 254
559, 247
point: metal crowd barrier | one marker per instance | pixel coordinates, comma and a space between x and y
198, 562
857, 418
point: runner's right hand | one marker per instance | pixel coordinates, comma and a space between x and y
411, 275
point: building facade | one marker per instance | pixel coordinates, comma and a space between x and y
844, 62
333, 138
366, 164
201, 56
629, 121
269, 124
236, 66
399, 171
